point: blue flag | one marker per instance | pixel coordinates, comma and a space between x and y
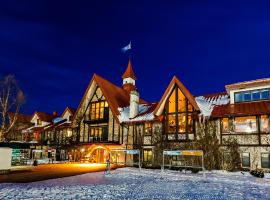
126, 48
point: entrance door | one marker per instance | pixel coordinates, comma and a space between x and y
98, 156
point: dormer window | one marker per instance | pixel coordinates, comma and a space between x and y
38, 122
252, 95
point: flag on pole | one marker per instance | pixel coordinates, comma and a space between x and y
126, 48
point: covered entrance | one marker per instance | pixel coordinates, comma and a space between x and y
97, 153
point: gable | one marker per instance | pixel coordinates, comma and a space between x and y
175, 82
116, 96
34, 118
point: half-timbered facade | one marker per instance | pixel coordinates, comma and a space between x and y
113, 117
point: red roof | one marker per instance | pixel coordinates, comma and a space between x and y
45, 116
21, 118
129, 73
116, 96
241, 109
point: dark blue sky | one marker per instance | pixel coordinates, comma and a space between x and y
54, 47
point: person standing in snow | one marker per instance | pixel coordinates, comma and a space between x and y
108, 165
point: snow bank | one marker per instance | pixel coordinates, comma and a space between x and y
130, 183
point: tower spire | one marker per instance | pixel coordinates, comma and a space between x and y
129, 73
129, 78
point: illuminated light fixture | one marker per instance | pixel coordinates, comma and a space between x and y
82, 150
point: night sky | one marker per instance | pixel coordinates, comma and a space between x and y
54, 47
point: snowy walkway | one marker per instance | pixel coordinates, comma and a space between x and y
129, 183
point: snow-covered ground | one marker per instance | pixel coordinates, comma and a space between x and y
129, 183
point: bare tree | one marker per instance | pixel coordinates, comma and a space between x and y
11, 99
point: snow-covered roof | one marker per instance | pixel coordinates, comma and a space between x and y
206, 103
146, 113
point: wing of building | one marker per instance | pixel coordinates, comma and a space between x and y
112, 118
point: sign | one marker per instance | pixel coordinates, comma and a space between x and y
133, 151
183, 153
192, 153
172, 153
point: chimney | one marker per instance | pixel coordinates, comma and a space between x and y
134, 104
55, 114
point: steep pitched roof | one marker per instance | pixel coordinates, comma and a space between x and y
129, 73
184, 90
116, 96
44, 116
21, 118
71, 110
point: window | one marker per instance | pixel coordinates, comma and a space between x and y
98, 133
245, 124
253, 95
147, 155
247, 96
181, 101
182, 123
172, 103
148, 128
39, 123
265, 160
179, 118
171, 124
264, 124
98, 109
245, 160
225, 125
256, 95
238, 97
265, 94
190, 124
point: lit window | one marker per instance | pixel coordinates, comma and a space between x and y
39, 122
225, 125
265, 160
147, 155
178, 111
148, 128
98, 133
181, 102
97, 111
181, 123
190, 124
245, 124
245, 160
171, 124
264, 124
172, 103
